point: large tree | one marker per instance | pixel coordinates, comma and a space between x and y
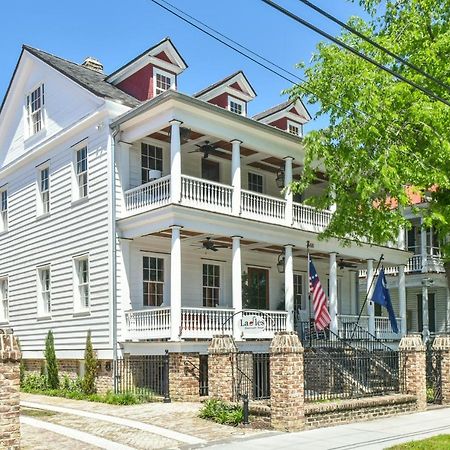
383, 134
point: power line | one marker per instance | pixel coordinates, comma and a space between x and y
355, 52
375, 44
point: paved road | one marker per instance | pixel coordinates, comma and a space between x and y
373, 435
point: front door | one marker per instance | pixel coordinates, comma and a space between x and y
258, 286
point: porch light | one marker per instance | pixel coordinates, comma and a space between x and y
281, 263
280, 178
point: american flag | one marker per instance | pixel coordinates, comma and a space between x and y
320, 303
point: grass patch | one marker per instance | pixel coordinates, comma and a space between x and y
441, 442
36, 412
221, 412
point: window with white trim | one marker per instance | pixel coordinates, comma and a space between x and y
163, 81
151, 159
255, 182
44, 294
153, 278
211, 285
3, 210
4, 300
294, 128
44, 191
35, 110
236, 106
81, 172
299, 299
82, 292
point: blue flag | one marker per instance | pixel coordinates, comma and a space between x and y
382, 297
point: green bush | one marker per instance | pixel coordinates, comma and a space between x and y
90, 367
51, 362
34, 382
222, 412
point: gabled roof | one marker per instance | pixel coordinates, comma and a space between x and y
175, 61
236, 77
286, 108
89, 79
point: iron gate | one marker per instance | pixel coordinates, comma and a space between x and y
252, 376
434, 375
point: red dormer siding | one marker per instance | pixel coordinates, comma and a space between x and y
221, 100
280, 123
139, 84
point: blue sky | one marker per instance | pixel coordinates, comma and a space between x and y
116, 31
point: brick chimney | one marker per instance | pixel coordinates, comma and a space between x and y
93, 64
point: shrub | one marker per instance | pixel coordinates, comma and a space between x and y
222, 412
90, 367
33, 382
51, 362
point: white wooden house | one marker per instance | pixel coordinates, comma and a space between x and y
150, 216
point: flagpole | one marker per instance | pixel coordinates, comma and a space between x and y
308, 245
367, 295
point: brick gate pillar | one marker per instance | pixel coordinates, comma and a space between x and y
287, 382
221, 365
9, 390
441, 345
413, 368
184, 374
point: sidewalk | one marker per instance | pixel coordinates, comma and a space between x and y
373, 435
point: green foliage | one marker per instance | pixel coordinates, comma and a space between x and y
90, 367
51, 362
34, 382
383, 134
440, 442
222, 412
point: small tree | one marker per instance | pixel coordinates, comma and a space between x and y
90, 367
51, 362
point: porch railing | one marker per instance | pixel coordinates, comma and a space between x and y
308, 215
149, 195
148, 323
255, 204
205, 322
383, 329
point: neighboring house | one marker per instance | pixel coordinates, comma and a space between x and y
149, 216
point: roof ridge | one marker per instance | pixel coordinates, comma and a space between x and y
34, 49
219, 82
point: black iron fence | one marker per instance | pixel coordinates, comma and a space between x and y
345, 373
252, 376
145, 376
434, 374
203, 376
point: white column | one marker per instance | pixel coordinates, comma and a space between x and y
402, 297
423, 247
236, 176
425, 320
122, 174
333, 196
236, 283
401, 238
369, 289
333, 300
175, 284
289, 286
124, 280
175, 161
288, 196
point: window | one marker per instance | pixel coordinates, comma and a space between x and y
210, 170
81, 172
294, 128
151, 159
211, 285
236, 106
44, 296
153, 281
413, 238
82, 297
44, 191
163, 81
255, 182
299, 301
4, 210
35, 110
4, 300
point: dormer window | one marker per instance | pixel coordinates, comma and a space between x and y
236, 106
35, 110
294, 128
163, 81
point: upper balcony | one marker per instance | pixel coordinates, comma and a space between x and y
239, 168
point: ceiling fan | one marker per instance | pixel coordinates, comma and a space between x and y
207, 148
209, 244
343, 264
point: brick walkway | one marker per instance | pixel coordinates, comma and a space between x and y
180, 417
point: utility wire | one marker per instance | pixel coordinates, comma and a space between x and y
374, 43
342, 44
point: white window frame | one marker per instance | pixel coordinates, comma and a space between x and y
297, 125
79, 285
44, 293
302, 292
4, 299
241, 103
166, 270
4, 207
30, 116
219, 288
163, 73
259, 175
43, 195
76, 187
